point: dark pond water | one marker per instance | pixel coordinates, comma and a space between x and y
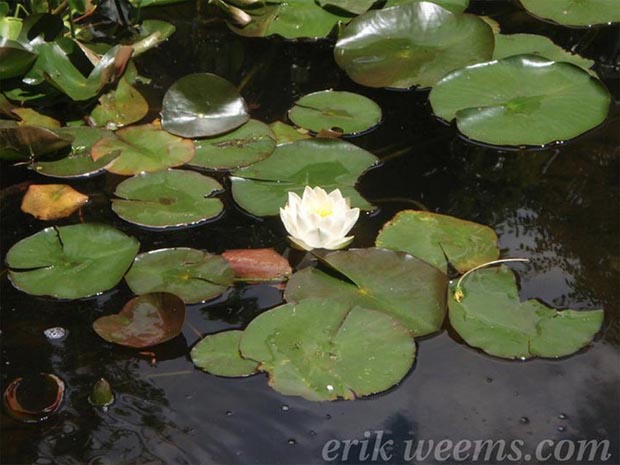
558, 207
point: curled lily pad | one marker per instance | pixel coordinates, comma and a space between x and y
517, 44
144, 321
324, 349
411, 44
171, 198
219, 355
262, 188
202, 105
151, 33
143, 148
252, 142
575, 13
433, 238
521, 100
408, 289
34, 398
193, 275
52, 201
491, 317
15, 59
27, 142
345, 112
78, 163
258, 264
71, 262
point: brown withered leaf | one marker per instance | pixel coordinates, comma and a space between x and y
52, 201
258, 264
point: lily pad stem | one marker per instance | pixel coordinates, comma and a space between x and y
458, 292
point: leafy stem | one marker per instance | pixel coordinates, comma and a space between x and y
458, 292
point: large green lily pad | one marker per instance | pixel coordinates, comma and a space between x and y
262, 188
343, 112
191, 274
455, 6
518, 44
433, 237
404, 287
144, 321
71, 262
411, 44
143, 148
79, 162
252, 142
521, 100
202, 105
491, 317
324, 349
171, 198
219, 355
575, 12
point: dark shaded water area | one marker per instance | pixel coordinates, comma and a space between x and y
556, 206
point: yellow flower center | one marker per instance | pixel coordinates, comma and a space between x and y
323, 211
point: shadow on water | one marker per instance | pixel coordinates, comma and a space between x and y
558, 207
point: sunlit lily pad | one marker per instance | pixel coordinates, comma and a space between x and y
521, 100
285, 133
144, 321
491, 317
517, 44
344, 112
411, 44
404, 287
202, 105
143, 148
28, 142
30, 117
219, 355
52, 201
252, 142
119, 107
258, 264
455, 6
78, 163
71, 262
575, 13
261, 188
324, 349
191, 274
170, 198
433, 237
352, 6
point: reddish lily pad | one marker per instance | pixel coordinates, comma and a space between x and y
258, 264
52, 201
35, 398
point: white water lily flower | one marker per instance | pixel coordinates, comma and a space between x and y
319, 220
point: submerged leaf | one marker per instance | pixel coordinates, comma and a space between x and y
219, 355
434, 237
71, 262
52, 201
408, 289
191, 274
144, 321
491, 317
324, 349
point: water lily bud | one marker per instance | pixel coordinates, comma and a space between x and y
319, 220
101, 395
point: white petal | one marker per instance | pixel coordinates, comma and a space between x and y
299, 243
338, 244
288, 220
349, 221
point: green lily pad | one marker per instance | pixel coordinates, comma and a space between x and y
28, 142
252, 142
79, 162
286, 133
323, 350
143, 148
202, 105
408, 289
411, 44
575, 12
193, 275
30, 117
344, 112
15, 59
291, 20
219, 355
491, 317
352, 6
171, 198
517, 44
433, 237
455, 6
262, 188
521, 100
120, 107
144, 321
71, 262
